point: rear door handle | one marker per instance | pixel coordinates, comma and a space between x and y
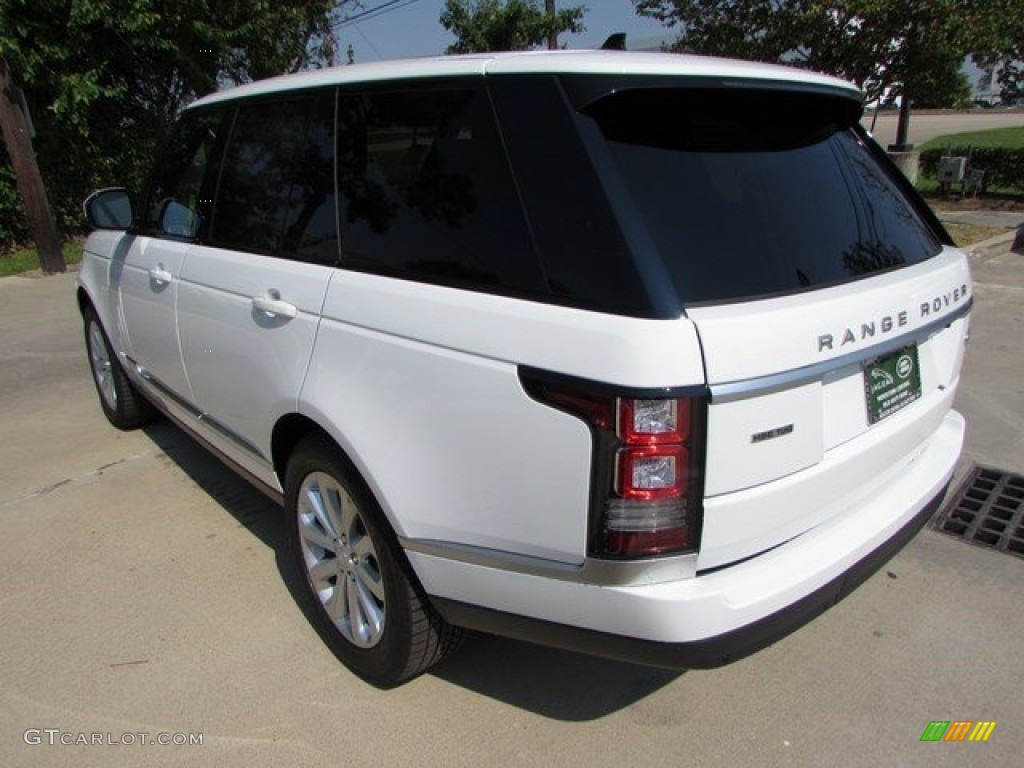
272, 306
160, 275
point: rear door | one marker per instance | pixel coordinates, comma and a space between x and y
251, 295
830, 312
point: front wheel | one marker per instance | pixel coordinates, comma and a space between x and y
360, 590
123, 405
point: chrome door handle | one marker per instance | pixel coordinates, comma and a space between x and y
160, 275
272, 306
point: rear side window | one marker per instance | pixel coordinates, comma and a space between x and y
752, 193
427, 193
585, 255
276, 194
174, 203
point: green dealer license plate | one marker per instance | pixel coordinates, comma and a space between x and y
891, 383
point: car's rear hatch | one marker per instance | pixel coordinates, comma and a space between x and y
830, 308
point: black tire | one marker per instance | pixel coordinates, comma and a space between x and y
381, 625
123, 405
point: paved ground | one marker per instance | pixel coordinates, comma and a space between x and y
144, 593
925, 125
1004, 219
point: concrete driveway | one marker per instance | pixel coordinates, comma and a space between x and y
144, 593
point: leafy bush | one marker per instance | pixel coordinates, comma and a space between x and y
998, 152
1004, 168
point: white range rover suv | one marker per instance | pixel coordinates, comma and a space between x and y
643, 355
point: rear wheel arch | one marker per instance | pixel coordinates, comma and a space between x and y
291, 429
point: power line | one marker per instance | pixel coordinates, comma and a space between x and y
373, 13
368, 41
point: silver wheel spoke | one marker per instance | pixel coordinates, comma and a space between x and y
363, 548
356, 619
373, 616
369, 578
322, 571
311, 534
315, 499
344, 514
336, 604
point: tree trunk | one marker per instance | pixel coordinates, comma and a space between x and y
26, 173
549, 6
903, 126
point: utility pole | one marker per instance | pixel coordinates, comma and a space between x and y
18, 139
549, 6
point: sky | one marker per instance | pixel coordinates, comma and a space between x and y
408, 28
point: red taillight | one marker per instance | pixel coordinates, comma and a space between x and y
647, 469
651, 511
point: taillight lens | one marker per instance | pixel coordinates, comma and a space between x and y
647, 477
653, 422
652, 472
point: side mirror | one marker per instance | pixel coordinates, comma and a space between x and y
109, 208
177, 219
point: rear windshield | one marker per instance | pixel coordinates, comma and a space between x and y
750, 193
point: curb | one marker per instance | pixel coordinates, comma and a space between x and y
994, 246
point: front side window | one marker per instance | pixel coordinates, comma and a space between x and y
174, 204
427, 192
753, 193
276, 190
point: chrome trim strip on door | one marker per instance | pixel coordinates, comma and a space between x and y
197, 414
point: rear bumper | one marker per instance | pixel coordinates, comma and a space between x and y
714, 618
697, 654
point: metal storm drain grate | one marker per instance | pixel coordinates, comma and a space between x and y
987, 509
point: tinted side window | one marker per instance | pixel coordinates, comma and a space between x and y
427, 192
276, 191
584, 253
174, 205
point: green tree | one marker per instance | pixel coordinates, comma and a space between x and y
104, 78
887, 47
1000, 47
943, 88
505, 25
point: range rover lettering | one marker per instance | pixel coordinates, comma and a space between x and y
647, 356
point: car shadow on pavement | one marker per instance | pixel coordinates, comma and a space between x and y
552, 683
557, 684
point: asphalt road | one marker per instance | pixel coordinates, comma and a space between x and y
144, 592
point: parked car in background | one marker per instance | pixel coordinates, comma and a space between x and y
647, 356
